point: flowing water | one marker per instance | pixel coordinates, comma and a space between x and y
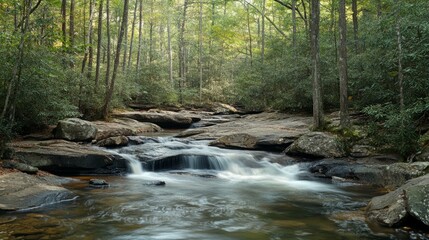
210, 193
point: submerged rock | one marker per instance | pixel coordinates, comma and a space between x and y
75, 129
20, 191
395, 209
154, 183
317, 144
98, 183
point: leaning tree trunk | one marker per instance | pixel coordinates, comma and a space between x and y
109, 92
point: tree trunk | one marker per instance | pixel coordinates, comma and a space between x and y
132, 35
249, 32
139, 49
263, 32
170, 49
182, 50
106, 83
315, 59
151, 27
294, 24
71, 23
99, 38
124, 59
342, 65
91, 39
200, 49
64, 21
400, 70
109, 92
355, 26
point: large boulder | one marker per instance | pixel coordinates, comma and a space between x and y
408, 202
63, 157
123, 127
164, 119
113, 142
318, 145
20, 191
75, 129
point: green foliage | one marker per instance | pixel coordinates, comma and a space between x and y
6, 134
393, 128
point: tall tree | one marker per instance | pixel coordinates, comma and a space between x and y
200, 49
132, 33
182, 51
263, 32
294, 24
400, 53
355, 25
170, 47
342, 65
109, 44
315, 63
99, 40
64, 21
110, 89
139, 47
71, 24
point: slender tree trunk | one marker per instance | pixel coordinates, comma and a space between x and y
99, 39
355, 26
170, 49
332, 28
124, 60
90, 39
109, 92
263, 32
305, 17
182, 50
151, 27
200, 49
71, 23
315, 59
139, 49
294, 24
132, 34
249, 32
109, 44
400, 70
64, 21
342, 65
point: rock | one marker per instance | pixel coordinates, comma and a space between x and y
123, 127
222, 108
396, 208
317, 144
154, 183
63, 157
20, 166
190, 132
75, 129
23, 191
360, 151
163, 119
238, 140
113, 142
423, 155
98, 182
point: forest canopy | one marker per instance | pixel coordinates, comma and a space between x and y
63, 58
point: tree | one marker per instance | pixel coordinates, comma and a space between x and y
99, 39
342, 65
315, 64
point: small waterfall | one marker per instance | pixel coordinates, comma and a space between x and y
134, 164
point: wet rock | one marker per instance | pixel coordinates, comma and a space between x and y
98, 183
63, 157
423, 156
222, 108
317, 144
22, 191
163, 119
239, 140
123, 127
154, 183
194, 174
112, 142
75, 129
190, 132
410, 201
20, 166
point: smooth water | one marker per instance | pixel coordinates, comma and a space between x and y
210, 193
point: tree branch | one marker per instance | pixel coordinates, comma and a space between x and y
287, 5
31, 11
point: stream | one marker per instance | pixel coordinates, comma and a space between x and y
209, 193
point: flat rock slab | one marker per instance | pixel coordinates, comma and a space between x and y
20, 191
123, 127
61, 156
164, 119
269, 130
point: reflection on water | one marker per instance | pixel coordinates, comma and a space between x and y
246, 197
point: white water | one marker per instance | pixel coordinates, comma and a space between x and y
197, 158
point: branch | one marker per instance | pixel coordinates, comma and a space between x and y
269, 20
286, 5
29, 13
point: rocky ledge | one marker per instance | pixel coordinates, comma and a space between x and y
20, 191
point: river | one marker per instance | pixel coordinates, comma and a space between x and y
209, 193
